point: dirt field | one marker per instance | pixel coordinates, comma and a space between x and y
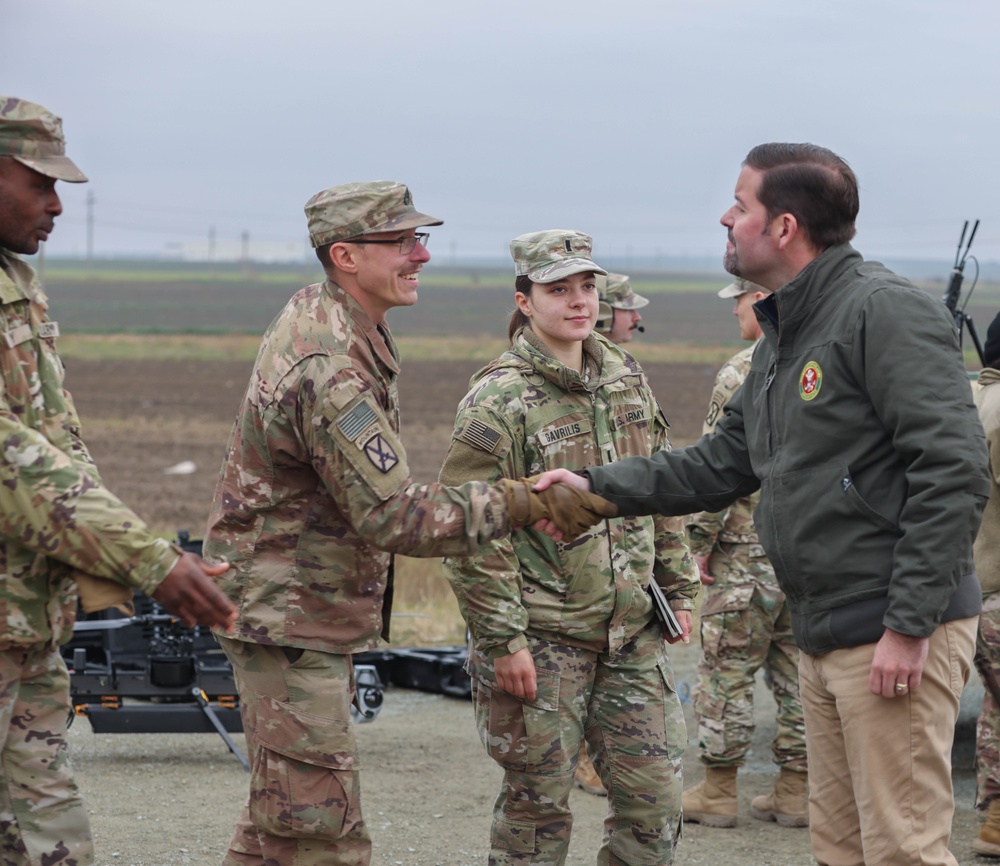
171, 800
141, 417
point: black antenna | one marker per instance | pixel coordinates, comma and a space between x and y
954, 291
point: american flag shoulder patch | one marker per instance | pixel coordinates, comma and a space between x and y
355, 422
480, 435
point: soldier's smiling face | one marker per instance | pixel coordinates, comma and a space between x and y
29, 206
387, 277
561, 312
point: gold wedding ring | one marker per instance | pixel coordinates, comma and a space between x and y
901, 687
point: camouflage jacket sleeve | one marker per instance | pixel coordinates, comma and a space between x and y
705, 526
488, 587
674, 568
361, 462
53, 503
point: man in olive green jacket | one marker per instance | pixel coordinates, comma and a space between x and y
856, 422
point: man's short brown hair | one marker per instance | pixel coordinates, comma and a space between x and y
813, 184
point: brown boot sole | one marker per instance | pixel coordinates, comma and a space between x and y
985, 849
596, 790
780, 818
706, 819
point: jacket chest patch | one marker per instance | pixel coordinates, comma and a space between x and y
625, 415
561, 430
810, 381
15, 336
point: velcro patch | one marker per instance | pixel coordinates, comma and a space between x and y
352, 424
480, 435
564, 429
16, 336
382, 455
48, 330
629, 415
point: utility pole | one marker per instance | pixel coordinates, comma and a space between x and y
246, 248
90, 229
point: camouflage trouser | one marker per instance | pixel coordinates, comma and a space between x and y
988, 727
304, 807
746, 625
43, 821
626, 707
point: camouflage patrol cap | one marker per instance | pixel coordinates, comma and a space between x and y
33, 136
618, 293
354, 209
544, 257
739, 286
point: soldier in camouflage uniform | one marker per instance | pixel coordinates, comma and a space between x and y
618, 319
65, 537
745, 625
986, 553
314, 498
565, 644
618, 315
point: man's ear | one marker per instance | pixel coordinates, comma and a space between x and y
343, 258
784, 230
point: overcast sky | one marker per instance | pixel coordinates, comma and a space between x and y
627, 120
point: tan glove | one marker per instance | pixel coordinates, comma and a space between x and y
97, 593
572, 511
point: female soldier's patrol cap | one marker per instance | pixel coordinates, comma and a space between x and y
617, 293
544, 257
739, 286
33, 136
353, 209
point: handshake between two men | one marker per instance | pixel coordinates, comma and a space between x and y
562, 511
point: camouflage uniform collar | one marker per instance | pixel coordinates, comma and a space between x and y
17, 278
379, 337
530, 348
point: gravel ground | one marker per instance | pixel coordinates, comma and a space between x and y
171, 800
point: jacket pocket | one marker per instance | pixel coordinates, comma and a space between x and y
851, 491
818, 528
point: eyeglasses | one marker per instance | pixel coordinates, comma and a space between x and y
406, 244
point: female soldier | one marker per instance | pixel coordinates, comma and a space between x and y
564, 639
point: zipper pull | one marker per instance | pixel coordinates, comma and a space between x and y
770, 376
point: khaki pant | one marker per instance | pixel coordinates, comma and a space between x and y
880, 769
304, 807
43, 821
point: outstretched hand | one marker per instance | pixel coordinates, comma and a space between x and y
190, 593
544, 482
570, 509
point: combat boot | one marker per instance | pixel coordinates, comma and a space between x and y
988, 841
712, 802
586, 778
787, 804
